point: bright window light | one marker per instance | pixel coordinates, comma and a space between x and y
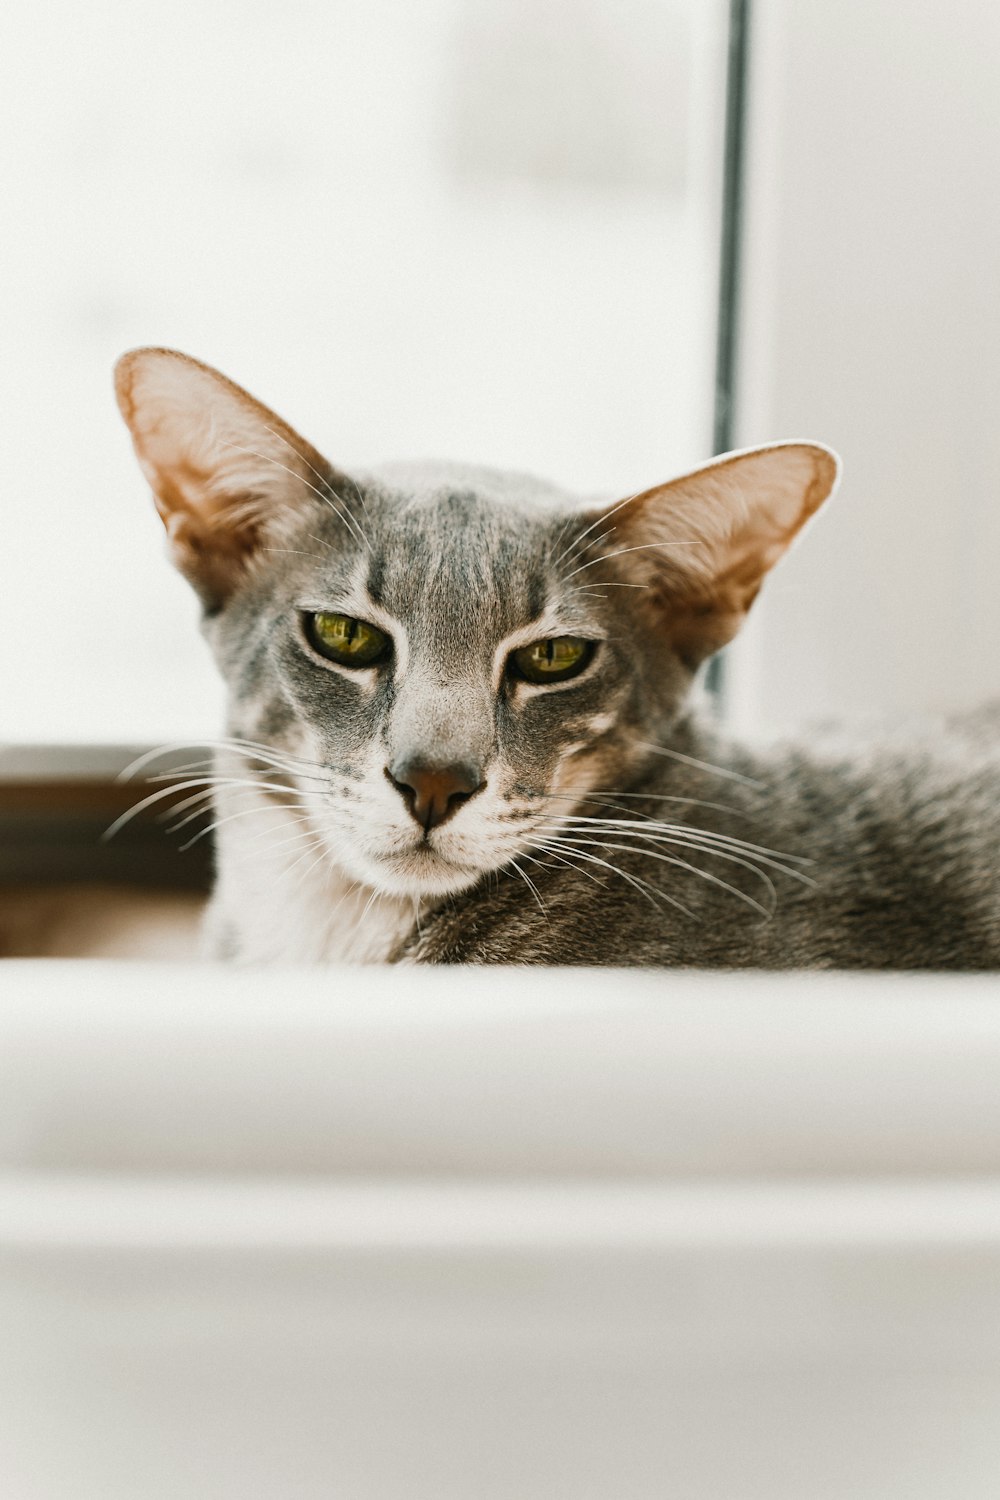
481, 229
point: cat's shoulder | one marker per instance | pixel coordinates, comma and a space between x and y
970, 733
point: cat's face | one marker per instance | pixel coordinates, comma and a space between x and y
443, 662
443, 759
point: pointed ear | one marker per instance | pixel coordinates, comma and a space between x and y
701, 545
226, 473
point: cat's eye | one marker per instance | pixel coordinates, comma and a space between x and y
349, 642
552, 660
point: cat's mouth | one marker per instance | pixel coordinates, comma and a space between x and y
423, 870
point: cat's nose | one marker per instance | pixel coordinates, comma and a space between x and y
433, 793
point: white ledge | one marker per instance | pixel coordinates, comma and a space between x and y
521, 1074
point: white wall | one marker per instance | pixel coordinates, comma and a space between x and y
872, 320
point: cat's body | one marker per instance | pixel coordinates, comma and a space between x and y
459, 727
899, 840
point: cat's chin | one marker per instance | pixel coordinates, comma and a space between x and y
418, 872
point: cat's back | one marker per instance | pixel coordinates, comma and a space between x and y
902, 821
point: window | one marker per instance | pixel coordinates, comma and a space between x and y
466, 228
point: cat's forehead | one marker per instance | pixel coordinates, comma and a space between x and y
467, 539
419, 483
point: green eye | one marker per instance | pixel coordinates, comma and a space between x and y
350, 642
552, 660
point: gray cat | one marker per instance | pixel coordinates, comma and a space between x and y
459, 724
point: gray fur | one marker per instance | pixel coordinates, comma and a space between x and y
902, 847
900, 840
875, 854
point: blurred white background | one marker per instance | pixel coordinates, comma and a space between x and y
464, 228
489, 229
872, 321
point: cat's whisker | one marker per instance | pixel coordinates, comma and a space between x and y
684, 830
648, 821
758, 864
331, 918
513, 865
607, 583
702, 837
614, 791
269, 753
149, 756
204, 809
703, 765
342, 514
359, 492
305, 831
294, 765
651, 892
568, 548
640, 547
606, 516
306, 869
218, 779
204, 798
375, 897
577, 548
184, 786
755, 865
293, 552
305, 835
324, 479
313, 841
314, 784
577, 852
325, 778
567, 865
246, 812
191, 768
683, 864
599, 792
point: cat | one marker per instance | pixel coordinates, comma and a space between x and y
461, 723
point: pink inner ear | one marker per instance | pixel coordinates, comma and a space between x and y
223, 468
703, 544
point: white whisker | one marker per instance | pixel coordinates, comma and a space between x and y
640, 547
606, 583
283, 759
184, 786
635, 880
513, 865
685, 830
568, 865
572, 552
324, 479
604, 516
293, 552
599, 792
673, 859
343, 514
246, 812
703, 765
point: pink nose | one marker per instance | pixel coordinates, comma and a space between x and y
433, 793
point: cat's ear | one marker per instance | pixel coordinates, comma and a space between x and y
702, 544
226, 473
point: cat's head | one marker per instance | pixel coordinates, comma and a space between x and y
446, 658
